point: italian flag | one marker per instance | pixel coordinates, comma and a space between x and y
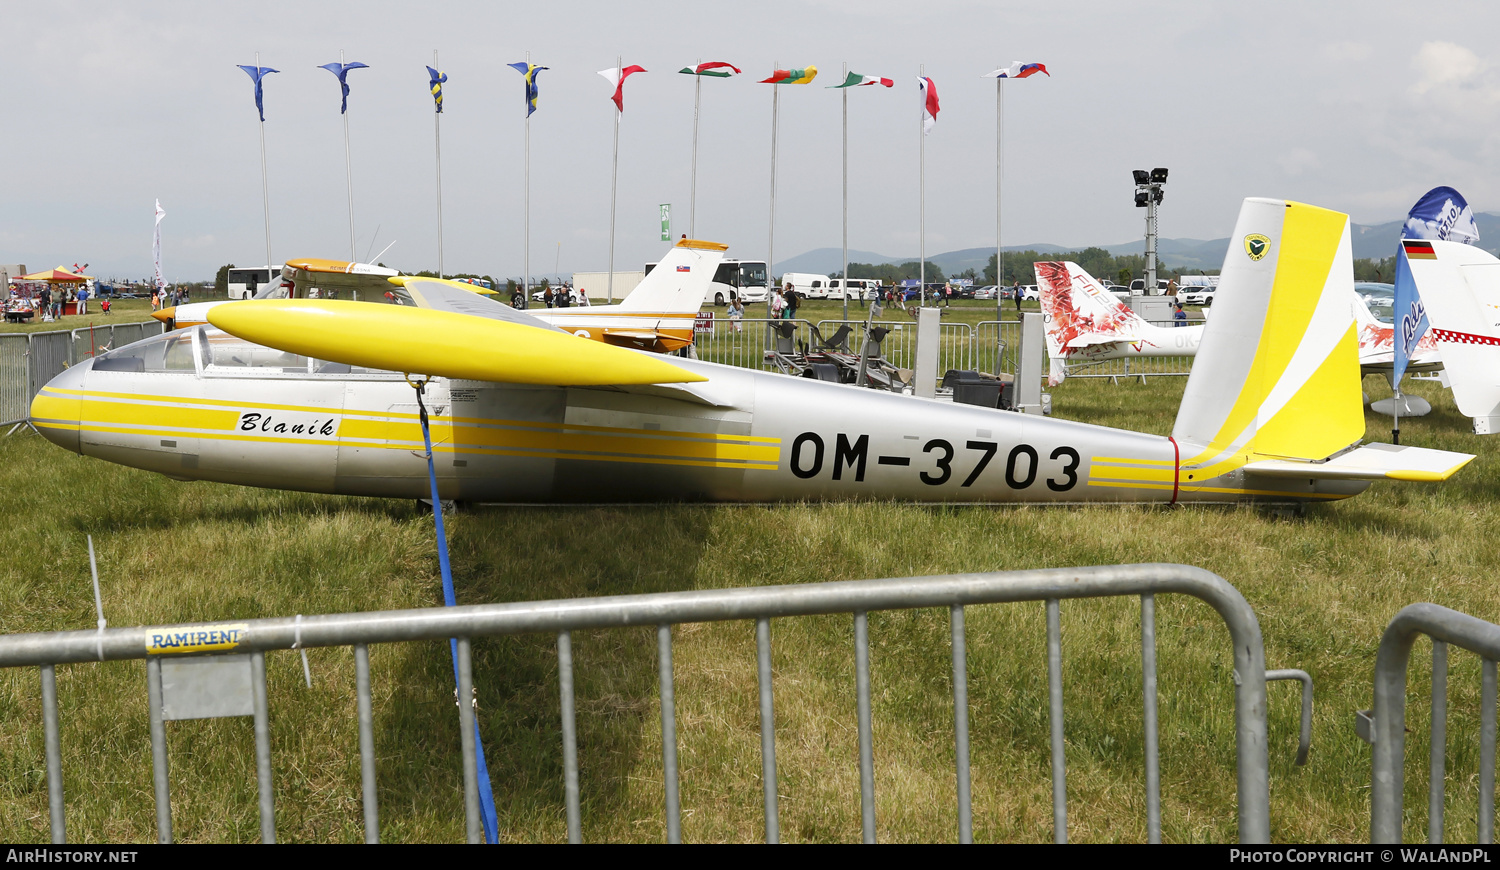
792, 76
855, 79
717, 69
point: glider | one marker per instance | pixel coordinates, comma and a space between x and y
316, 395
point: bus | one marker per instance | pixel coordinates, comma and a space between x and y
743, 278
245, 283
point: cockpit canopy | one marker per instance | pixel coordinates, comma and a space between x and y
211, 352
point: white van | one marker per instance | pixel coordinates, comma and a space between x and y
857, 288
807, 285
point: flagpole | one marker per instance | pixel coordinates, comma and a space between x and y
437, 134
693, 185
999, 178
1396, 410
265, 187
614, 175
348, 168
922, 191
526, 255
844, 275
771, 241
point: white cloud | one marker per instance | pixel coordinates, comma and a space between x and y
1440, 64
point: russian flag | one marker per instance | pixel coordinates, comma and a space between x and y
1019, 70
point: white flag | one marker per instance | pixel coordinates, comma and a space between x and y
156, 245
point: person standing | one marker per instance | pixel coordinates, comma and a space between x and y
778, 305
46, 300
793, 301
736, 314
1016, 294
83, 300
547, 295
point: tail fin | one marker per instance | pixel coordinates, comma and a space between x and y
1277, 374
679, 283
1460, 288
1079, 311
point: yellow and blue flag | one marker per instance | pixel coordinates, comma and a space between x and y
528, 71
342, 70
435, 82
256, 73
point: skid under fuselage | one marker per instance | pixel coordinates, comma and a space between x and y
742, 436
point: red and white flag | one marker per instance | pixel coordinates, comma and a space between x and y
617, 78
929, 103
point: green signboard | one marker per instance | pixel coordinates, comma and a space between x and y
666, 222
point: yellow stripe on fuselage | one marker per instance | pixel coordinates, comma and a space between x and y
154, 416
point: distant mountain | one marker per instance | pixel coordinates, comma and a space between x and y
1374, 242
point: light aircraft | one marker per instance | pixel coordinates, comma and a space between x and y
658, 314
1084, 323
1460, 287
310, 395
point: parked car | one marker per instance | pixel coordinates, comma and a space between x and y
987, 292
1200, 296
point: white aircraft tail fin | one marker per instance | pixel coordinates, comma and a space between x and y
1277, 375
1079, 311
679, 283
1460, 288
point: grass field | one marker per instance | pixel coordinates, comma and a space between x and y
1323, 584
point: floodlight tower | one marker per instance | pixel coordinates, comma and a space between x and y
1148, 193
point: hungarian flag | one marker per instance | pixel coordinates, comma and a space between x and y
929, 103
715, 68
792, 76
617, 78
855, 79
1019, 70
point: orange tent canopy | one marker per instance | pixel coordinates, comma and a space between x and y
56, 275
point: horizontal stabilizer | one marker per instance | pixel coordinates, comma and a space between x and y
1370, 462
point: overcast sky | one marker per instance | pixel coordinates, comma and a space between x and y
107, 106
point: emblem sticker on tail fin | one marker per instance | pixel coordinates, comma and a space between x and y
1256, 246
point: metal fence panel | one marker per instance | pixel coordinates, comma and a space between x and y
1387, 722
48, 358
15, 400
760, 604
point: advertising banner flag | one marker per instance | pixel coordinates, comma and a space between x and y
1441, 214
156, 245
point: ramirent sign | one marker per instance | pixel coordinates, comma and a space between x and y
195, 638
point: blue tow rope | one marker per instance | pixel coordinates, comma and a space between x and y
486, 791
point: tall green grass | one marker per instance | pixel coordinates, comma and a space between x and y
1324, 584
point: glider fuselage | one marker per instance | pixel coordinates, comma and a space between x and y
743, 436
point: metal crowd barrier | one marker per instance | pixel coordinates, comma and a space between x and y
562, 617
29, 360
744, 343
1385, 726
15, 398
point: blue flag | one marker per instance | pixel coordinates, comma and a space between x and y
435, 81
342, 71
1441, 214
529, 71
256, 73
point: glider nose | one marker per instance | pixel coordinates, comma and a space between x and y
55, 409
166, 315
